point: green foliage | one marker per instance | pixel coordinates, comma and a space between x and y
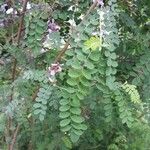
93, 43
111, 39
75, 95
36, 75
41, 101
35, 28
125, 112
132, 91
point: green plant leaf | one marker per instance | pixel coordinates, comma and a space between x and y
76, 111
74, 137
72, 81
74, 73
93, 43
67, 142
64, 108
77, 119
65, 122
64, 114
86, 74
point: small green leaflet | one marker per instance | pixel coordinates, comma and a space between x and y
67, 142
93, 43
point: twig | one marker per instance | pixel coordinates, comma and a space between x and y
58, 58
21, 21
14, 138
63, 50
35, 93
10, 146
15, 35
89, 10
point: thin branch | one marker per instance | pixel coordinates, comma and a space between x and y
63, 50
35, 93
89, 10
10, 146
15, 35
21, 21
18, 38
14, 138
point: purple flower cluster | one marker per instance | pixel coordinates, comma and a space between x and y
52, 26
4, 8
100, 2
52, 70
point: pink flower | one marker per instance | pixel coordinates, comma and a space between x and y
52, 70
100, 2
55, 68
52, 26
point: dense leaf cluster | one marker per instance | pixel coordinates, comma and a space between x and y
74, 75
